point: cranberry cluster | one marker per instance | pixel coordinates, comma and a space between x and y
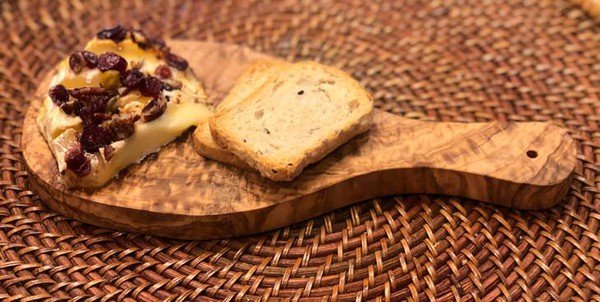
120, 33
83, 58
90, 104
134, 79
101, 126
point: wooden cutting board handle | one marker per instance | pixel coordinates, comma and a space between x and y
177, 193
519, 165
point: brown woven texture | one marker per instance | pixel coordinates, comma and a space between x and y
461, 61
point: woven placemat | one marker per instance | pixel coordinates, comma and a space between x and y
431, 60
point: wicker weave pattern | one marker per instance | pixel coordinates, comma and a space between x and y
430, 60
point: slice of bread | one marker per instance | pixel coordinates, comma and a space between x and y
257, 74
294, 119
253, 78
206, 146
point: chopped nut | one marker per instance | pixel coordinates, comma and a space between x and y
154, 109
139, 37
72, 106
108, 152
84, 92
121, 126
92, 99
100, 117
111, 105
136, 64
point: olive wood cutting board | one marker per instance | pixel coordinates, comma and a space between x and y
177, 193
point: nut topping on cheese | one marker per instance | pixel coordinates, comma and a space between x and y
121, 98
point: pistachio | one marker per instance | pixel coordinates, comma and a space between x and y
112, 104
110, 80
172, 84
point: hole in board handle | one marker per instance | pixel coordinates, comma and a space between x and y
532, 154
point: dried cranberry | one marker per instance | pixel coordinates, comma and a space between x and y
176, 61
132, 78
77, 161
91, 59
76, 62
111, 61
117, 33
151, 87
154, 109
93, 137
155, 43
163, 72
59, 94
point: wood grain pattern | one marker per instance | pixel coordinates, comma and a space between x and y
177, 193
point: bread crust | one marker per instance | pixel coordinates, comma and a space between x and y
206, 146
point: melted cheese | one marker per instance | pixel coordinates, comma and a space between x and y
147, 138
185, 109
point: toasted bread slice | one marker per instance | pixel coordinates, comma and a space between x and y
206, 146
294, 119
255, 76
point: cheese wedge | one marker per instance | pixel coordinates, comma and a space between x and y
186, 107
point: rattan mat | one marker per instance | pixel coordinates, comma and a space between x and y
431, 60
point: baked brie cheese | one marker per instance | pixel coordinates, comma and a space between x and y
110, 105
